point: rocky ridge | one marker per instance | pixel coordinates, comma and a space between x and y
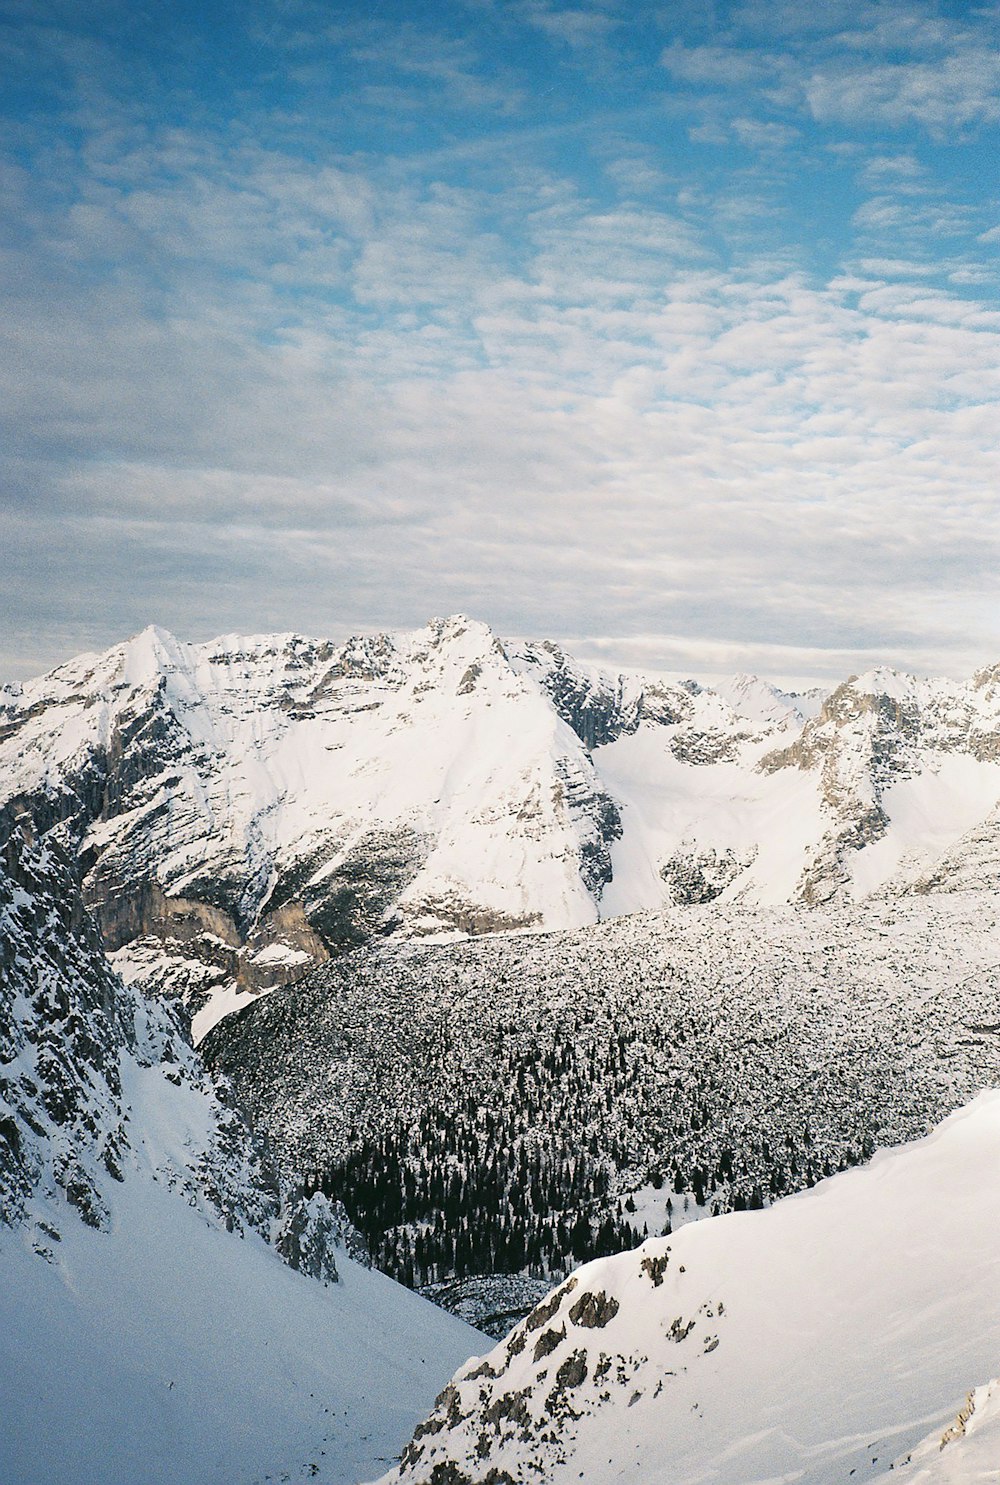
245, 809
82, 1056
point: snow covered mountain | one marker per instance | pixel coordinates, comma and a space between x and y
818, 1340
355, 829
244, 809
152, 1326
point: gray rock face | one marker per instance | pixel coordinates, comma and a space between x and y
63, 1023
697, 875
70, 1032
308, 1238
599, 709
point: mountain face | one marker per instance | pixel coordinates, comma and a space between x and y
74, 1044
148, 1245
667, 1034
244, 810
814, 1341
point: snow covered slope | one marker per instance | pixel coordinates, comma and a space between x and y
246, 808
149, 1329
258, 804
168, 1350
893, 786
967, 1452
817, 1340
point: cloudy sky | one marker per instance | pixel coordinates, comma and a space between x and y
669, 329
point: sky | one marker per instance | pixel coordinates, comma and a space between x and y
669, 330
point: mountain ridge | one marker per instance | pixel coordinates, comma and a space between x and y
245, 808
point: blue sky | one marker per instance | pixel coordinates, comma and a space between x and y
670, 330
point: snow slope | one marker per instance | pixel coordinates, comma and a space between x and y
967, 1452
169, 1350
149, 1329
816, 1340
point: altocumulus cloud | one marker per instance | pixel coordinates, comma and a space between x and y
677, 339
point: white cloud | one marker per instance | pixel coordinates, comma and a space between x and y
250, 388
759, 135
576, 28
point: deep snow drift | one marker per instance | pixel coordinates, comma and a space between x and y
817, 1340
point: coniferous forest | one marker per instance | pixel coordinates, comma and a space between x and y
477, 1115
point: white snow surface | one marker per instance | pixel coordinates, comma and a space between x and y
170, 1350
967, 1452
828, 1334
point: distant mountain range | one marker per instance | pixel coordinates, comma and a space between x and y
245, 809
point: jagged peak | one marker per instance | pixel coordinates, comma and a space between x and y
454, 627
987, 679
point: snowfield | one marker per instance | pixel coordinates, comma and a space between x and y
819, 1340
168, 1350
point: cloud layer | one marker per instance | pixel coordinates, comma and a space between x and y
676, 337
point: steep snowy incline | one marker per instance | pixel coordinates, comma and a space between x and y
149, 1329
967, 1452
816, 1341
171, 1352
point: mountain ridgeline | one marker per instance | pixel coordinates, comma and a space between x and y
244, 810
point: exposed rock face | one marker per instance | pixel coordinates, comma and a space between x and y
871, 734
63, 1024
696, 875
598, 709
311, 1232
79, 1051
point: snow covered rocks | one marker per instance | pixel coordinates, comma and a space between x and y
814, 1341
966, 1453
245, 809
